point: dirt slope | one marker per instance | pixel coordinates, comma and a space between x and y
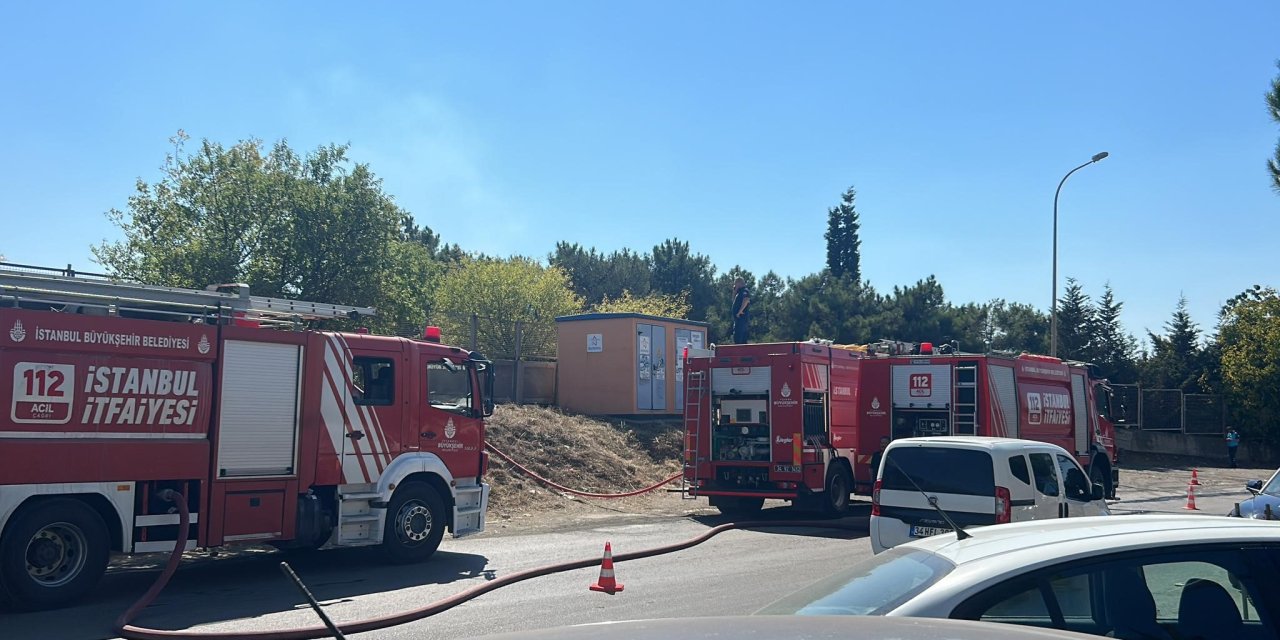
582, 453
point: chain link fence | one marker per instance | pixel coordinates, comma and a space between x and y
1168, 410
1161, 410
1126, 405
1203, 414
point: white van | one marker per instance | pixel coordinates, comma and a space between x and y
977, 481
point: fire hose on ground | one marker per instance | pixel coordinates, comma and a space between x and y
126, 629
559, 487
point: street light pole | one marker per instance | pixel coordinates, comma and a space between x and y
1053, 316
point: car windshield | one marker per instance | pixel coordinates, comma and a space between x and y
872, 587
1273, 486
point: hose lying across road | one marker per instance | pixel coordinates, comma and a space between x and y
559, 487
126, 629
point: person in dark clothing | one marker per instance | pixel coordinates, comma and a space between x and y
877, 456
741, 318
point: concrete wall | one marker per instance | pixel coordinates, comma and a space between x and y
1211, 449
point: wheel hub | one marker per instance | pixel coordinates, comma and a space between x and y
415, 522
55, 554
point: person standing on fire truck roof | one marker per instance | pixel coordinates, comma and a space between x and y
741, 318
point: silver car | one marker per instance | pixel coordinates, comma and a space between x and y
1143, 576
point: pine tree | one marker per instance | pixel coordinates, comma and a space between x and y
843, 244
1112, 350
1273, 107
1075, 322
1175, 361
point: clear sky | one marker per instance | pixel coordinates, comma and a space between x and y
730, 125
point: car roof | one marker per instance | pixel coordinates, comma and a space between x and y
1061, 539
796, 628
974, 442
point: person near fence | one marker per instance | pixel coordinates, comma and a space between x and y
741, 318
1233, 443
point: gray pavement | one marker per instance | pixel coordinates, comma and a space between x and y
737, 572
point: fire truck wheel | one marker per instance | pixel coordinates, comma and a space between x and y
836, 499
53, 553
415, 523
1099, 473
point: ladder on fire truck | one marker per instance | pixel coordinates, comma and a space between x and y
90, 293
694, 389
964, 420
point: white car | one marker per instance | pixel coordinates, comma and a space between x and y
1160, 577
976, 481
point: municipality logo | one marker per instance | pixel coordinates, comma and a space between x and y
875, 404
203, 346
450, 430
18, 333
786, 390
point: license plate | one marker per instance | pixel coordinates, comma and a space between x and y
925, 532
786, 468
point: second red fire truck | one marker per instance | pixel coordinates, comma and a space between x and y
115, 394
800, 421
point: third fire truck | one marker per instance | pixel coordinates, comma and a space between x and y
115, 396
800, 421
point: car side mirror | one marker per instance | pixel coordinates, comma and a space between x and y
1254, 486
1099, 491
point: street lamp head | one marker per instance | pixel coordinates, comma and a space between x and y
1100, 156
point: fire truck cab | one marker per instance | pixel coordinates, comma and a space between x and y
114, 395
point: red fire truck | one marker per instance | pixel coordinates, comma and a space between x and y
800, 421
113, 392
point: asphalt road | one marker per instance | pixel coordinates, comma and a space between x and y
736, 572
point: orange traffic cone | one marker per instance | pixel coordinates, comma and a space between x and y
607, 584
1195, 477
1191, 498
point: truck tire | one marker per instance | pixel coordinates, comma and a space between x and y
53, 553
1100, 473
739, 507
836, 496
415, 523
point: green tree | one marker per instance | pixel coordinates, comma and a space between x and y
1076, 317
317, 227
1017, 327
654, 304
1249, 340
1273, 107
676, 270
500, 294
596, 276
1113, 350
843, 245
1175, 361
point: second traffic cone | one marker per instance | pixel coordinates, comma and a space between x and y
606, 583
1191, 498
1195, 477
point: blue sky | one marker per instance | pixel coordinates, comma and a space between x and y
730, 125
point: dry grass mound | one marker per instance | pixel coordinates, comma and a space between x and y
582, 453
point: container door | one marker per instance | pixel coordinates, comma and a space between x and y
682, 341
644, 367
659, 367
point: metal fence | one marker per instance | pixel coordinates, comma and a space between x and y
1168, 410
1203, 414
1161, 410
1126, 405
523, 352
